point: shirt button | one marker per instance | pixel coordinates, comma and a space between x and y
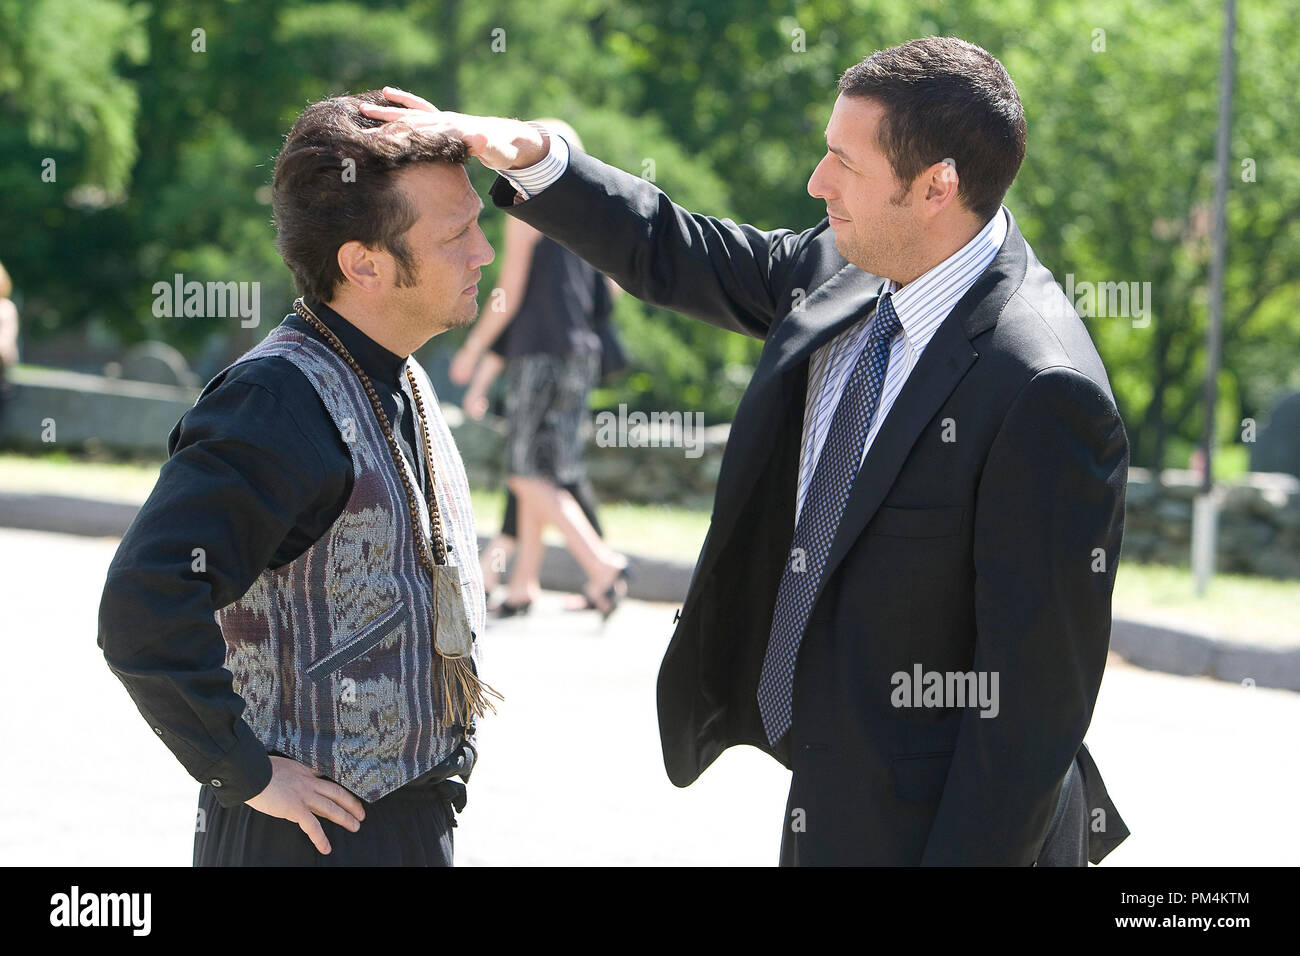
215, 782
158, 731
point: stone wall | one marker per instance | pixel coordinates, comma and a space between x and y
91, 412
1258, 529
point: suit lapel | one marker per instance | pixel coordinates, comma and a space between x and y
780, 378
834, 305
942, 365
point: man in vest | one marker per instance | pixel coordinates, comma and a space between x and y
295, 609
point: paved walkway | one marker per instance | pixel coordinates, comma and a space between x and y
1203, 771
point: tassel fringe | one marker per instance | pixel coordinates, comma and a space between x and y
464, 693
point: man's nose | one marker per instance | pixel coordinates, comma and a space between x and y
814, 182
485, 253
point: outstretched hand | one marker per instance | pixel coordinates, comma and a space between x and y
498, 142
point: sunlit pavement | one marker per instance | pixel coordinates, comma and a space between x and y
1204, 773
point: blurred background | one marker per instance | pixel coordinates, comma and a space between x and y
136, 146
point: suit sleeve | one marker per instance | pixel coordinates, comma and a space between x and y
732, 276
240, 474
1048, 522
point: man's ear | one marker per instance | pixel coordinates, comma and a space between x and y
941, 185
362, 266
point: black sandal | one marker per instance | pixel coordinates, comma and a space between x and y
589, 605
611, 595
506, 609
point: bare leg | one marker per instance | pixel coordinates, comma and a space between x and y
525, 579
600, 563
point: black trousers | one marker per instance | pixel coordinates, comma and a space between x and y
1066, 843
409, 827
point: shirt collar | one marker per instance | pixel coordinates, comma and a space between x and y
925, 302
375, 360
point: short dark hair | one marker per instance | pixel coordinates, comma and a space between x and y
945, 98
317, 208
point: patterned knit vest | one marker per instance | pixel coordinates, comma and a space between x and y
333, 652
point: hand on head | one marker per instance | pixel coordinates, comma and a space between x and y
498, 142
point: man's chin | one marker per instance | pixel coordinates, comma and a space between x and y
467, 313
457, 318
851, 253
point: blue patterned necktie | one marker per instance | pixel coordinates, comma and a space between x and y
823, 505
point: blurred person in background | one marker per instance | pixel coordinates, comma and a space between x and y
553, 304
496, 555
8, 335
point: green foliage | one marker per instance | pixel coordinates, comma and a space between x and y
59, 62
164, 154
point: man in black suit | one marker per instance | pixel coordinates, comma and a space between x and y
904, 594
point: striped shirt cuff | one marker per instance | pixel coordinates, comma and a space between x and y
531, 180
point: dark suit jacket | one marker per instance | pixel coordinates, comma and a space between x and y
995, 551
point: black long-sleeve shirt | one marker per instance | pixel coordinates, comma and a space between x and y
256, 472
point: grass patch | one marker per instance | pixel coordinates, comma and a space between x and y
1248, 608
660, 531
58, 473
